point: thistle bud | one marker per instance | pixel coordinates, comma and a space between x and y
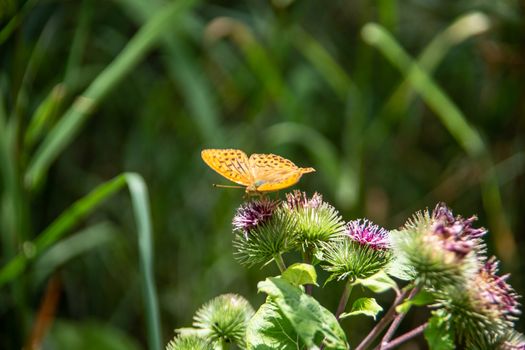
224, 319
189, 342
438, 248
363, 250
253, 214
316, 221
260, 236
483, 311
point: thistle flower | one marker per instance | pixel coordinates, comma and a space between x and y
224, 319
189, 342
316, 220
457, 233
296, 200
363, 251
366, 233
437, 248
483, 310
264, 241
253, 214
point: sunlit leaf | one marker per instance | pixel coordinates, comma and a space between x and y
364, 306
378, 283
312, 322
299, 274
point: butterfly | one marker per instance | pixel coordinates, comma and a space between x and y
260, 173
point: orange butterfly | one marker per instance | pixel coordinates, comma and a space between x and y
259, 173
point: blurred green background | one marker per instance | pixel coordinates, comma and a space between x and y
397, 104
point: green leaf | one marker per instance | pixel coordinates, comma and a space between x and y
67, 249
422, 298
378, 283
313, 323
269, 329
299, 274
438, 334
364, 306
399, 267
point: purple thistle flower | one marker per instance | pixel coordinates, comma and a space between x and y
253, 214
456, 234
368, 234
297, 199
495, 296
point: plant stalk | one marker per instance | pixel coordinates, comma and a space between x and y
405, 337
307, 257
280, 262
344, 298
397, 321
380, 326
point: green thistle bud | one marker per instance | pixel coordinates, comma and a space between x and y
361, 252
224, 319
189, 342
316, 220
483, 311
262, 242
438, 249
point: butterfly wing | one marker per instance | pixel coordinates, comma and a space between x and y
233, 164
272, 172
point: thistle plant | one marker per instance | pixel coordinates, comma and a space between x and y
189, 342
222, 320
438, 249
483, 311
263, 232
316, 221
361, 252
438, 259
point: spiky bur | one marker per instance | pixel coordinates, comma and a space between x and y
483, 311
260, 243
316, 221
362, 251
512, 341
253, 214
222, 319
189, 342
437, 248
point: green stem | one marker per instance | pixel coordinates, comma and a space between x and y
307, 258
280, 262
344, 298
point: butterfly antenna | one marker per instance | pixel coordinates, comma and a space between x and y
227, 186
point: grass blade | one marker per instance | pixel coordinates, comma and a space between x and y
67, 249
60, 227
140, 201
444, 108
79, 210
68, 127
454, 120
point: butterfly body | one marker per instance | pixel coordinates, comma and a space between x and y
259, 173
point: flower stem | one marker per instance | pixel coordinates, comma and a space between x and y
381, 325
280, 262
344, 298
307, 258
403, 338
397, 321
